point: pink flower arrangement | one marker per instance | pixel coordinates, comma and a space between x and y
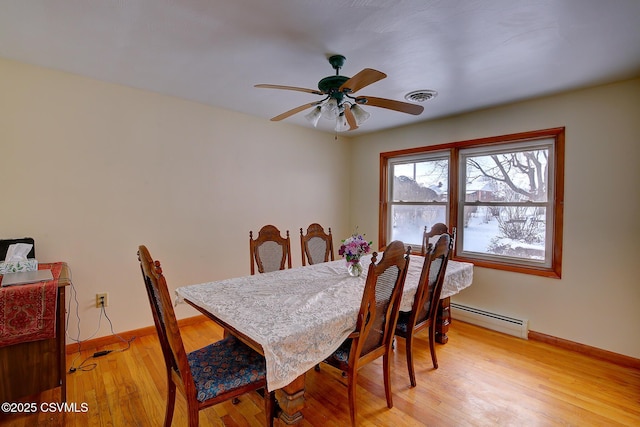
354, 247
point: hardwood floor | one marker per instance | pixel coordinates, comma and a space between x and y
484, 379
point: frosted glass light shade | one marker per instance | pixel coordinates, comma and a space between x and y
330, 109
359, 114
341, 123
314, 116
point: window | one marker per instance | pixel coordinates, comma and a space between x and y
419, 195
503, 194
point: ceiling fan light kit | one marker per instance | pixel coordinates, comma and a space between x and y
339, 104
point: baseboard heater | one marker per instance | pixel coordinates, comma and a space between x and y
493, 321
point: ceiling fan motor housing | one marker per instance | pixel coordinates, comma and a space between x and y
331, 84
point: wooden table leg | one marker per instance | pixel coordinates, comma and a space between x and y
443, 320
291, 401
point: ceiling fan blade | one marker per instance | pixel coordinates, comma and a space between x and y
299, 89
350, 118
403, 107
362, 79
294, 111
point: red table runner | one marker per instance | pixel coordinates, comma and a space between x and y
28, 312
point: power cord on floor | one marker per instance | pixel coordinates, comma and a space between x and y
91, 366
83, 366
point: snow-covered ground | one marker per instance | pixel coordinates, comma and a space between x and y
479, 235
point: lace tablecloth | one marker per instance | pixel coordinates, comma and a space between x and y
301, 315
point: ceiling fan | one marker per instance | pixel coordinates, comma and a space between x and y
338, 103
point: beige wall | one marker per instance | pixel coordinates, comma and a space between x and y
91, 170
597, 301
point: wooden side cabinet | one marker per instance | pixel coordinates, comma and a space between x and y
32, 367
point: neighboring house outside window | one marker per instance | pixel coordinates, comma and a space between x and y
504, 195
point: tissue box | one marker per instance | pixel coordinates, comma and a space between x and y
30, 264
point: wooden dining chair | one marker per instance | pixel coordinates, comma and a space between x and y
376, 321
220, 371
436, 230
316, 245
269, 251
425, 303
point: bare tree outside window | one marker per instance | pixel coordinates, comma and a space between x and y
508, 190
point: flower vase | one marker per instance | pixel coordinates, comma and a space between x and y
354, 268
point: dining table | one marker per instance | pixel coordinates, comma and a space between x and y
297, 317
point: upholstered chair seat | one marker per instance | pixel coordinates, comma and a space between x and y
224, 366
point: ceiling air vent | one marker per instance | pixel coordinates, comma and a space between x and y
421, 95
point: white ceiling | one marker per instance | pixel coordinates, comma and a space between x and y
475, 53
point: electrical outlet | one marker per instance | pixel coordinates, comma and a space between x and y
102, 300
